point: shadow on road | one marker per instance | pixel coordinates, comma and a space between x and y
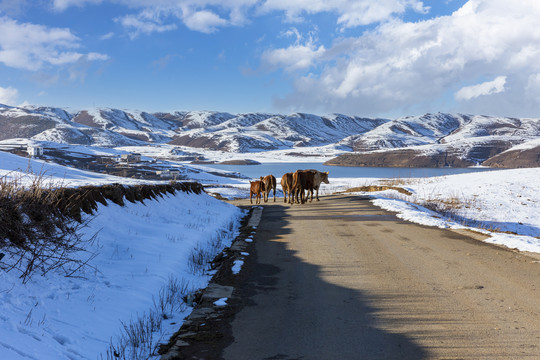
288, 310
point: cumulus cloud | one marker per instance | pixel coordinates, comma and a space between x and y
486, 88
300, 55
399, 64
8, 96
204, 21
32, 47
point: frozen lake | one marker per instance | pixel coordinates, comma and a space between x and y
278, 169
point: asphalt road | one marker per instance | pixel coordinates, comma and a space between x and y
342, 279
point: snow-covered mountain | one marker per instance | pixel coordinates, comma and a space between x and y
428, 140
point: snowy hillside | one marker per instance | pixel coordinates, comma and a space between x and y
459, 140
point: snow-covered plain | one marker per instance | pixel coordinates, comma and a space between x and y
503, 204
139, 253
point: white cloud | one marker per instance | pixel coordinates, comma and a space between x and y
486, 88
208, 16
204, 21
32, 47
8, 96
146, 22
400, 64
61, 5
301, 55
13, 7
351, 13
295, 57
107, 36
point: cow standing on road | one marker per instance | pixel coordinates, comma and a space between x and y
302, 181
287, 186
269, 184
256, 187
318, 178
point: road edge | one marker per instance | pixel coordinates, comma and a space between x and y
204, 326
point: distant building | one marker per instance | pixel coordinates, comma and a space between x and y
131, 158
174, 173
168, 173
34, 151
164, 173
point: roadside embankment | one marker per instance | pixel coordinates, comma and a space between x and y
39, 227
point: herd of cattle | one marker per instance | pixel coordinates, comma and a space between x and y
295, 185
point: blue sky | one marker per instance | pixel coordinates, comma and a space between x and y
385, 58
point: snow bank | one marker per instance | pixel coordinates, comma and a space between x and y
138, 249
503, 204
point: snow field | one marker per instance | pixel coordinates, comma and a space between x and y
140, 251
503, 204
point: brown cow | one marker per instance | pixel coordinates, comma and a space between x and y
318, 178
256, 187
287, 185
269, 184
302, 180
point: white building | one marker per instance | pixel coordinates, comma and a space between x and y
131, 158
34, 151
168, 173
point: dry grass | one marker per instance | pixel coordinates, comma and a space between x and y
373, 188
40, 224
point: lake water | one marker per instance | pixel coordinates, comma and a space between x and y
278, 169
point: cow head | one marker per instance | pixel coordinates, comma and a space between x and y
325, 177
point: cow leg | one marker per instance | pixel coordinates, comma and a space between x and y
250, 197
275, 188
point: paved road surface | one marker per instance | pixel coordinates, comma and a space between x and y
341, 279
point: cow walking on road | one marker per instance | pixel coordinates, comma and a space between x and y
310, 181
256, 187
270, 183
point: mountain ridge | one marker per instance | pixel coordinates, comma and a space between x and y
433, 139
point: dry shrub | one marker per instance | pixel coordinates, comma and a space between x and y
40, 225
36, 235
